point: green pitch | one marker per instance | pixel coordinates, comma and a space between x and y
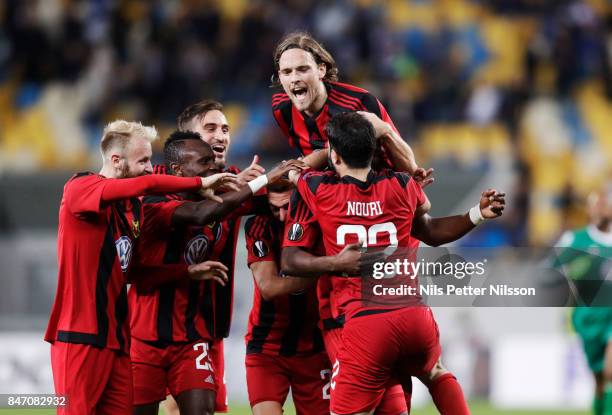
477, 408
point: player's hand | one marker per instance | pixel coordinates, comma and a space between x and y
286, 167
347, 261
252, 172
381, 128
423, 177
219, 181
209, 270
492, 204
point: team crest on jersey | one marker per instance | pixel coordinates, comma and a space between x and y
196, 250
136, 228
260, 249
295, 232
124, 252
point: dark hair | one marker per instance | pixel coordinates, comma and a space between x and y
302, 40
174, 144
352, 137
280, 186
196, 110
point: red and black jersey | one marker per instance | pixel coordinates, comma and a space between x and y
305, 233
286, 325
378, 211
95, 243
307, 134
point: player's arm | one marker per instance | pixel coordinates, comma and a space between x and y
299, 262
207, 211
399, 152
439, 231
272, 285
119, 189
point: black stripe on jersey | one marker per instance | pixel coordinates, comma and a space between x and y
344, 101
261, 331
315, 138
174, 247
402, 178
286, 111
121, 312
78, 337
191, 310
223, 297
81, 174
250, 227
164, 312
155, 199
298, 210
207, 310
315, 181
297, 310
317, 340
108, 254
371, 104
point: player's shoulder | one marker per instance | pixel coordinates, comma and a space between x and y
258, 226
314, 179
86, 178
350, 93
84, 175
281, 101
298, 210
568, 237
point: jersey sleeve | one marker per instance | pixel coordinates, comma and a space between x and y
281, 109
259, 239
83, 193
301, 227
415, 195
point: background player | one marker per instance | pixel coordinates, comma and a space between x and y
100, 219
587, 257
284, 345
171, 324
364, 367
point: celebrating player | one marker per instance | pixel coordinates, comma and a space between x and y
592, 246
284, 345
377, 340
172, 325
99, 222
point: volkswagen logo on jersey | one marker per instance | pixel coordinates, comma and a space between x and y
196, 249
260, 249
295, 232
124, 252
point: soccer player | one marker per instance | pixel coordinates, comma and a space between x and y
587, 257
284, 345
312, 95
377, 340
171, 325
99, 223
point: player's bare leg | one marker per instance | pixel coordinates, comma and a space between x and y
148, 409
170, 406
196, 402
606, 387
445, 391
267, 408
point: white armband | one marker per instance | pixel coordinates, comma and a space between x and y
476, 215
257, 184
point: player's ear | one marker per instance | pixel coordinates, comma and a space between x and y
176, 169
115, 160
322, 70
335, 158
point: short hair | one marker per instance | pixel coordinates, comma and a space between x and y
280, 186
199, 109
304, 41
353, 138
118, 133
173, 146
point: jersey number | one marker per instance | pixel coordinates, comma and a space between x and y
202, 361
368, 236
326, 374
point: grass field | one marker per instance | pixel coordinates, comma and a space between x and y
477, 408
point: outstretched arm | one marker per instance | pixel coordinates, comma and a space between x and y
297, 261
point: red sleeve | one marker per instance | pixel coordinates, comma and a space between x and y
416, 195
118, 189
83, 193
259, 240
384, 115
301, 227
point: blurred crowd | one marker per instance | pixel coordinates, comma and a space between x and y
516, 87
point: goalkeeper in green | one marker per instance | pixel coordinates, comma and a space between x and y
587, 259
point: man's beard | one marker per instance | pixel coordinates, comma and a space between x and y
126, 173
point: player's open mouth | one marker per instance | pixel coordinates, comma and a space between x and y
219, 150
300, 92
